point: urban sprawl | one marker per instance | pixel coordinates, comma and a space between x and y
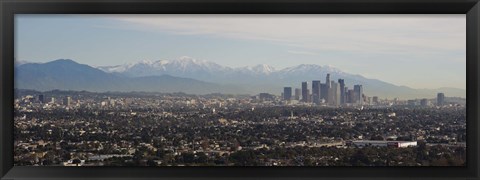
329, 126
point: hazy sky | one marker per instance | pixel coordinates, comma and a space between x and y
419, 51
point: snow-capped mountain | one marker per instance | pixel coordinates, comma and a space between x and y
144, 64
191, 67
66, 74
261, 69
187, 64
259, 78
308, 70
184, 66
198, 76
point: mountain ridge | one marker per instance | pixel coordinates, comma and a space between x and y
256, 79
260, 78
66, 74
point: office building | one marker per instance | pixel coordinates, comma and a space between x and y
297, 94
324, 92
375, 100
41, 98
342, 91
316, 92
327, 81
424, 102
440, 99
67, 101
358, 89
351, 96
334, 94
287, 93
305, 92
331, 97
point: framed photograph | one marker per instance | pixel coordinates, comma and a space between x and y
316, 89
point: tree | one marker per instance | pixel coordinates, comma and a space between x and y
151, 162
359, 159
377, 137
76, 161
201, 158
188, 157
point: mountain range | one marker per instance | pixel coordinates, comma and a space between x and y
66, 74
189, 75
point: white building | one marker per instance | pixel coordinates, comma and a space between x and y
397, 144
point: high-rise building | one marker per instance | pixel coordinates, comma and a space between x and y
346, 94
297, 93
351, 96
424, 102
324, 92
287, 93
334, 94
316, 92
309, 96
440, 99
305, 91
337, 91
67, 100
375, 100
342, 90
358, 89
327, 81
41, 98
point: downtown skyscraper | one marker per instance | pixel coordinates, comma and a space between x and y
332, 93
287, 93
316, 91
305, 93
342, 91
358, 90
440, 99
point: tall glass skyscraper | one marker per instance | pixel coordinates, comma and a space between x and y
305, 92
287, 93
440, 99
358, 89
316, 92
342, 91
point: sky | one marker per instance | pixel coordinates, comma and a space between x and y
419, 51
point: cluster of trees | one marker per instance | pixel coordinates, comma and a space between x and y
421, 155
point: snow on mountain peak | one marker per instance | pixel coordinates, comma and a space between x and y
331, 68
263, 68
186, 58
187, 61
185, 65
146, 62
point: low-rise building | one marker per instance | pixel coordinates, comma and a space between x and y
397, 144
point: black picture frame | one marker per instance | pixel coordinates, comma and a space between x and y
8, 8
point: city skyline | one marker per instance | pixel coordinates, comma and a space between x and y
80, 128
392, 44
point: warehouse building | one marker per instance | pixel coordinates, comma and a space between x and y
398, 144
